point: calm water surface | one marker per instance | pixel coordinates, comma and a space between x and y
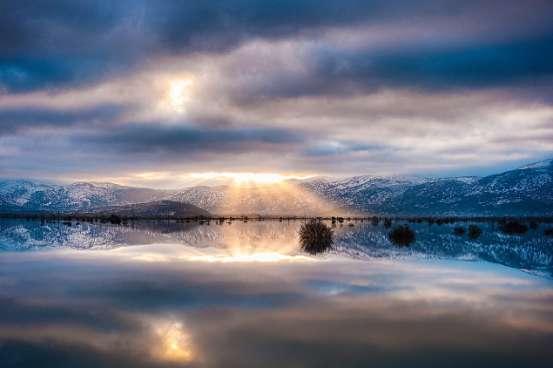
244, 295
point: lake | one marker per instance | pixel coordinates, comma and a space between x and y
170, 294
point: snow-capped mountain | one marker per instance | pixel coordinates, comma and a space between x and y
527, 190
209, 198
30, 196
360, 192
524, 191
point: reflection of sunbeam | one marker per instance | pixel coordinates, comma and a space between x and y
264, 238
254, 257
175, 343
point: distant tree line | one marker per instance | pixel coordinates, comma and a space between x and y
507, 225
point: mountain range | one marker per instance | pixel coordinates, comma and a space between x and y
523, 191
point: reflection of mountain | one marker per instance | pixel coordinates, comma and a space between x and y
531, 251
524, 191
28, 235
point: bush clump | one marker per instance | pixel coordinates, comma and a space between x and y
513, 228
402, 235
459, 230
548, 232
114, 219
474, 232
315, 237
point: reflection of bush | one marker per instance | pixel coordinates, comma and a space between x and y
513, 227
315, 237
459, 230
402, 235
474, 232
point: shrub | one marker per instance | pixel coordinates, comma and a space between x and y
474, 232
315, 237
114, 219
513, 227
459, 230
402, 235
533, 225
548, 232
387, 223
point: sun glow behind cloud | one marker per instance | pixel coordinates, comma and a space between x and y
247, 177
175, 94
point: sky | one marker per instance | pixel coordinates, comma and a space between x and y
154, 93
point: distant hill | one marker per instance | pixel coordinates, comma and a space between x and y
164, 208
288, 198
527, 190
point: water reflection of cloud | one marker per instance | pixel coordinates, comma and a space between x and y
117, 311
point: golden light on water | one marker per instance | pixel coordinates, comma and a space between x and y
262, 257
175, 344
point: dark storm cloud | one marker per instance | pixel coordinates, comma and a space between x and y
444, 66
15, 120
219, 25
432, 67
30, 73
55, 43
172, 139
323, 149
65, 43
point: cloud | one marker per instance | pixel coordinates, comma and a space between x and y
243, 314
443, 66
67, 43
16, 120
420, 65
183, 139
51, 44
333, 88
